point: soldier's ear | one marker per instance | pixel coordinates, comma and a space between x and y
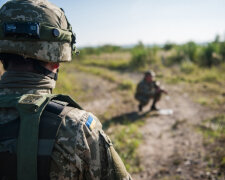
4, 64
51, 66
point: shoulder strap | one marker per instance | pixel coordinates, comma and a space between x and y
50, 122
31, 108
48, 129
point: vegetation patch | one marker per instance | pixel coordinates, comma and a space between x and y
203, 101
214, 132
65, 84
118, 64
123, 84
187, 67
176, 177
127, 85
127, 140
104, 73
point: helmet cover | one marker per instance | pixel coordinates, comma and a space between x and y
56, 39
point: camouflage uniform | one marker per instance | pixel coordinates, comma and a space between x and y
80, 152
146, 91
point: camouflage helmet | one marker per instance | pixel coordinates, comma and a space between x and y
36, 29
150, 73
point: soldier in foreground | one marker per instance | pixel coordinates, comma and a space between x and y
148, 89
42, 135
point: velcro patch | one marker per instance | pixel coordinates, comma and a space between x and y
30, 99
31, 102
90, 123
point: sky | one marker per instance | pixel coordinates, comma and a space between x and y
125, 22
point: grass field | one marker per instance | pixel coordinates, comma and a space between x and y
206, 86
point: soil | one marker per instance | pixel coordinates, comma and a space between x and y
172, 147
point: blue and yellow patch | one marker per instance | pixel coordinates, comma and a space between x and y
91, 122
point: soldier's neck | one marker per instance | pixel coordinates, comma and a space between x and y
6, 91
25, 83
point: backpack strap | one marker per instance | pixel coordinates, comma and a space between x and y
48, 130
50, 122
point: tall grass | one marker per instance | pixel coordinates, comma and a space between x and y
213, 130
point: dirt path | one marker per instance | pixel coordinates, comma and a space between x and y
98, 92
172, 147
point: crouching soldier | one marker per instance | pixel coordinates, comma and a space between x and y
148, 89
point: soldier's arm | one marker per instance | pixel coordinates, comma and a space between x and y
88, 151
164, 91
160, 88
110, 164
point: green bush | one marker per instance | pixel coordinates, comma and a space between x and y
187, 67
101, 49
210, 55
168, 46
140, 57
90, 50
222, 50
109, 48
190, 51
176, 57
153, 54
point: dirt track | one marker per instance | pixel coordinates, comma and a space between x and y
172, 147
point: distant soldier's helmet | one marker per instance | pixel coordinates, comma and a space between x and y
150, 73
36, 29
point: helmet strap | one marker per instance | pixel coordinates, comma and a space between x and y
42, 70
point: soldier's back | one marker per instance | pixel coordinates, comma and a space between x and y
81, 150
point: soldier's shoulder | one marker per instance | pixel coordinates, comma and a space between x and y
74, 116
72, 147
141, 83
84, 118
78, 131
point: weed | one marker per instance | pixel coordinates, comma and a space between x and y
177, 177
142, 56
213, 129
126, 141
187, 67
203, 101
126, 85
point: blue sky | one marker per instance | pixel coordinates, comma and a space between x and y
124, 22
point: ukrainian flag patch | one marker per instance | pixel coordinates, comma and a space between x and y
91, 122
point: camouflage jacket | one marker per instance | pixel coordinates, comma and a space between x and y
146, 89
80, 152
